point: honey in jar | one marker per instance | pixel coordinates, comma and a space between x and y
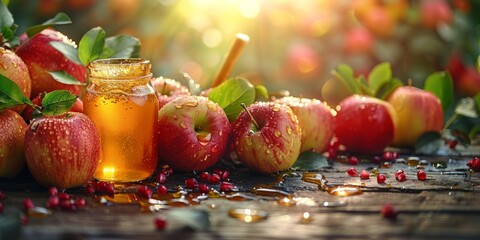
122, 103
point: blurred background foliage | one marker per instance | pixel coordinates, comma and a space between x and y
293, 45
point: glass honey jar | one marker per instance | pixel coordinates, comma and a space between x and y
123, 105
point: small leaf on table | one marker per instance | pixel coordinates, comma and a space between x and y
310, 161
428, 143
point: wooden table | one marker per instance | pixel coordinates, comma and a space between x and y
445, 206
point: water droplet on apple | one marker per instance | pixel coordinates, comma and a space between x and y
248, 141
178, 106
276, 109
220, 133
204, 138
215, 148
289, 130
278, 133
174, 116
182, 124
191, 104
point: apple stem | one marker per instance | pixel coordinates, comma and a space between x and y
409, 82
250, 114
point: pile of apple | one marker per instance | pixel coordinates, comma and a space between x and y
62, 148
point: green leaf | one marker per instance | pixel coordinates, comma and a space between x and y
11, 94
477, 101
380, 75
388, 88
91, 45
310, 161
57, 102
364, 86
466, 107
65, 78
261, 93
345, 74
441, 85
67, 50
231, 93
6, 18
122, 46
428, 143
59, 19
474, 131
7, 33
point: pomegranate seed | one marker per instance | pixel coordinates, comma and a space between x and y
226, 187
388, 211
109, 189
394, 155
353, 160
204, 176
64, 196
474, 164
53, 201
52, 191
160, 223
80, 203
102, 186
401, 177
67, 205
364, 174
162, 190
352, 172
214, 178
2, 195
377, 160
90, 189
191, 183
203, 188
381, 178
27, 203
144, 192
161, 178
1, 207
452, 144
398, 172
225, 175
217, 171
421, 175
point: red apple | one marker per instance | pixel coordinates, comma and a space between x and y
316, 120
275, 144
435, 12
62, 151
13, 67
418, 112
468, 84
12, 155
193, 133
40, 58
167, 90
365, 124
